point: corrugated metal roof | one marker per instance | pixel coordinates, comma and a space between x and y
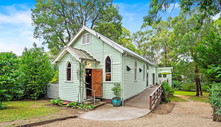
81, 54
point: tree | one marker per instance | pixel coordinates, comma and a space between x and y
57, 21
208, 56
207, 8
37, 72
10, 86
188, 32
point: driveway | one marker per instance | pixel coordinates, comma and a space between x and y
184, 114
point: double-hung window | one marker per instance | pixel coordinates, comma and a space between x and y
86, 39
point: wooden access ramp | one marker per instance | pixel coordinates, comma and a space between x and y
143, 99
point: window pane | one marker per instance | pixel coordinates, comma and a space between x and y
69, 64
68, 74
108, 77
159, 75
84, 39
88, 38
164, 76
108, 64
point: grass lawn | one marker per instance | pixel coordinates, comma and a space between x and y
177, 99
191, 96
25, 110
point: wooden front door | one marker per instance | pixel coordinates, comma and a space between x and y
97, 82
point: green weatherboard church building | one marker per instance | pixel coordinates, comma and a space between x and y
105, 63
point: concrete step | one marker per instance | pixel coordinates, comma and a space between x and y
98, 104
91, 101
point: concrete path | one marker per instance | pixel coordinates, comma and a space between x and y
134, 108
142, 100
110, 113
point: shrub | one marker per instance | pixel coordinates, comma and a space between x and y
177, 85
117, 89
167, 92
55, 78
215, 98
37, 72
205, 87
189, 87
72, 104
10, 86
56, 101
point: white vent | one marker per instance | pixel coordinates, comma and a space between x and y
86, 39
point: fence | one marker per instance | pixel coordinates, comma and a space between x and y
52, 90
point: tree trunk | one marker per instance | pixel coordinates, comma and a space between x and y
197, 80
201, 92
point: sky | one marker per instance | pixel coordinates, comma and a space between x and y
16, 30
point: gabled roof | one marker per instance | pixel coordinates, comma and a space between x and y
78, 54
115, 45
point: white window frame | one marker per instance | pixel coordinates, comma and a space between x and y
66, 67
105, 69
86, 39
135, 70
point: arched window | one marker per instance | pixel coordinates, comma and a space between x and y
135, 71
68, 71
108, 69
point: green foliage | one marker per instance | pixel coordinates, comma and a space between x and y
189, 87
215, 98
208, 56
55, 78
205, 87
117, 89
2, 106
167, 92
76, 105
36, 72
57, 21
10, 85
72, 104
177, 85
201, 8
56, 101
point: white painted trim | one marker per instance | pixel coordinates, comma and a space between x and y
76, 36
105, 68
116, 63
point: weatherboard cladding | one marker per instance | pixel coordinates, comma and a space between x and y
99, 48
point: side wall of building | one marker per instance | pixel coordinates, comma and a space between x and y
68, 90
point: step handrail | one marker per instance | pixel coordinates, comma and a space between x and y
91, 90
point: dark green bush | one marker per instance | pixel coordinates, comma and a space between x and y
10, 85
215, 98
205, 87
167, 92
177, 85
189, 87
36, 72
